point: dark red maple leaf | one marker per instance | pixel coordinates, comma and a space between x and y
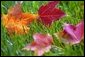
48, 13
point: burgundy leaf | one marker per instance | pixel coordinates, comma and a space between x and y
50, 5
49, 13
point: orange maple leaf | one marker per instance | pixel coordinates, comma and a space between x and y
16, 21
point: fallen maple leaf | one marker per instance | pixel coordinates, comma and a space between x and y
41, 44
72, 34
48, 13
16, 21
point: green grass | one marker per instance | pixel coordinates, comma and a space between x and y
12, 45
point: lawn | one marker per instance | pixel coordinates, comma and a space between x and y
12, 45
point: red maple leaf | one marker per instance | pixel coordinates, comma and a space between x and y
49, 13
